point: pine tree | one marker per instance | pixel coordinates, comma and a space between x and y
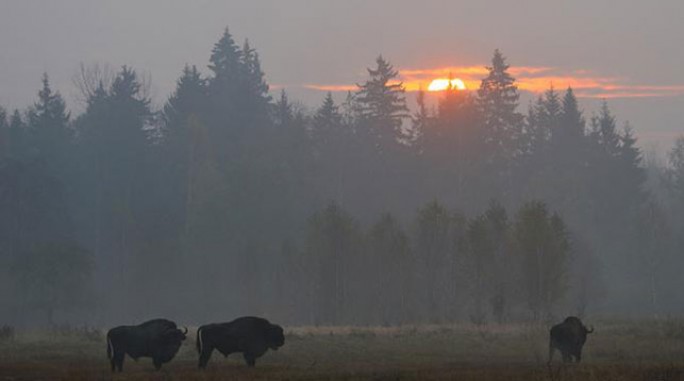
420, 120
226, 61
183, 150
351, 110
550, 112
328, 116
48, 128
572, 123
283, 115
604, 131
114, 144
188, 99
255, 86
332, 145
383, 105
498, 99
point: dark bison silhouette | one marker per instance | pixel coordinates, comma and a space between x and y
568, 337
251, 336
159, 339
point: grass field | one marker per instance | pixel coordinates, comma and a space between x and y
643, 351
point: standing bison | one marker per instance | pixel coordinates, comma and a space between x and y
569, 338
159, 339
251, 336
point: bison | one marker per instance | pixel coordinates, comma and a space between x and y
159, 339
568, 337
251, 336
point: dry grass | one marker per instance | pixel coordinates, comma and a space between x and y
619, 350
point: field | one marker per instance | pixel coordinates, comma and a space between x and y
625, 351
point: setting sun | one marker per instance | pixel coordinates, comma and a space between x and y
442, 84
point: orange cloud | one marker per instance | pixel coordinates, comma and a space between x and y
534, 79
332, 88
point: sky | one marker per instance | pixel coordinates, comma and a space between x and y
628, 52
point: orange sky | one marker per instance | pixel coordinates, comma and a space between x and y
532, 79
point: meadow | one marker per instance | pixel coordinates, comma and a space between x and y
644, 350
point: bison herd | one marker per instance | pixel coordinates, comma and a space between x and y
160, 339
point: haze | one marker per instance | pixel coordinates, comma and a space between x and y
332, 42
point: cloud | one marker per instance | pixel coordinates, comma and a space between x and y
534, 79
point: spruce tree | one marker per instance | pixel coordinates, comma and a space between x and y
572, 123
604, 131
328, 115
255, 87
283, 115
383, 106
226, 61
48, 128
498, 99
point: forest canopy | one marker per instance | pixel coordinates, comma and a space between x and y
230, 200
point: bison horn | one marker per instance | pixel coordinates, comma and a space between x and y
590, 330
186, 330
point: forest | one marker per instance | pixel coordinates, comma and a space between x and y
232, 200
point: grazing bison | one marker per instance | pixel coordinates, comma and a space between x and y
569, 338
251, 336
159, 339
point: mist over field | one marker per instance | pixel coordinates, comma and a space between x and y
478, 198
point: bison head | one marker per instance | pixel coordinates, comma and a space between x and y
170, 343
275, 337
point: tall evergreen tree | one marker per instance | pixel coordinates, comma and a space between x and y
383, 105
226, 62
114, 143
188, 99
498, 98
572, 123
604, 131
255, 86
283, 115
49, 133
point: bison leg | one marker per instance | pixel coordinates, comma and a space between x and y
157, 363
566, 356
551, 352
250, 360
578, 355
204, 357
118, 360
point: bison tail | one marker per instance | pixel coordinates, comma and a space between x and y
110, 347
198, 341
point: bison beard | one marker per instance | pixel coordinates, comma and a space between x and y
251, 336
159, 339
569, 338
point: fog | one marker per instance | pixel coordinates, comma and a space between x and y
226, 187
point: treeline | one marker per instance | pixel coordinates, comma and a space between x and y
228, 202
443, 268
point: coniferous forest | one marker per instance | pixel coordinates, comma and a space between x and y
229, 200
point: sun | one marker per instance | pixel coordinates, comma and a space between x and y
442, 84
